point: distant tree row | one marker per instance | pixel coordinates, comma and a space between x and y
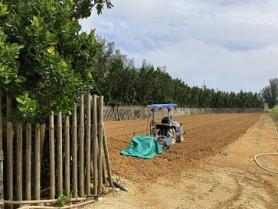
270, 93
122, 83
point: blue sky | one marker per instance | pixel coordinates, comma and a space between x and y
229, 44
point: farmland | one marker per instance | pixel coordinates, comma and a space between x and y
213, 168
206, 135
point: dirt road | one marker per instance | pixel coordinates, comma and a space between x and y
218, 172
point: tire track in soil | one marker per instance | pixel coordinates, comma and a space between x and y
250, 179
236, 195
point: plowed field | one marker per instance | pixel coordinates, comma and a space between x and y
206, 135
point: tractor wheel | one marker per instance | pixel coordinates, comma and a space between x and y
181, 137
172, 135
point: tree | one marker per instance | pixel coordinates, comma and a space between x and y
270, 93
40, 41
83, 8
122, 83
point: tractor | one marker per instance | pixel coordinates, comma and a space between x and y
168, 131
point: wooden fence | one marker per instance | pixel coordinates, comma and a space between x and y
143, 112
65, 155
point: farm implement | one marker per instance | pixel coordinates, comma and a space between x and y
161, 135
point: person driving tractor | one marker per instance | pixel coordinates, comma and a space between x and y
168, 132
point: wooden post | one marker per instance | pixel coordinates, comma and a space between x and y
74, 152
1, 153
107, 158
104, 171
1, 121
81, 147
19, 161
60, 153
52, 155
28, 160
9, 150
88, 145
37, 162
95, 145
100, 143
42, 130
67, 156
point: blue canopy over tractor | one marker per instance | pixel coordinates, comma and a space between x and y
156, 106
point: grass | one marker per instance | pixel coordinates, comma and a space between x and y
63, 199
274, 113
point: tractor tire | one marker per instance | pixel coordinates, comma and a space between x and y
181, 137
172, 135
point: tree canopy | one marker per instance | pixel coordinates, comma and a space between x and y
83, 8
44, 56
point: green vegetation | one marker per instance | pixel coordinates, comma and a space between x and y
274, 113
270, 93
44, 58
63, 199
83, 8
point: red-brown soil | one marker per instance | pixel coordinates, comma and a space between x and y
223, 174
206, 135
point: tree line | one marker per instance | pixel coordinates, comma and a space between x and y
46, 60
270, 93
122, 83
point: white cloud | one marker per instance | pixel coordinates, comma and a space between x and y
196, 61
231, 44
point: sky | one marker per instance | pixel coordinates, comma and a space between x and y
229, 45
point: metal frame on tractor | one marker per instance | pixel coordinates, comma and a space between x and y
169, 137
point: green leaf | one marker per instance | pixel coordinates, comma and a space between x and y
3, 9
35, 22
50, 37
51, 50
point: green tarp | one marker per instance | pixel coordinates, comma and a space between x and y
143, 147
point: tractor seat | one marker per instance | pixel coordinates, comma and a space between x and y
166, 120
163, 129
